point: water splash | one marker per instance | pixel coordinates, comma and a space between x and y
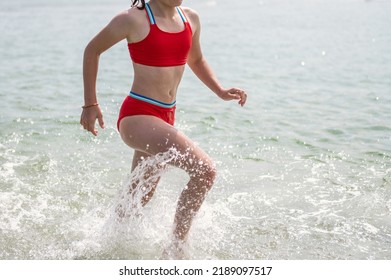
133, 225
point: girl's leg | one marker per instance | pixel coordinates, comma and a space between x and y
150, 176
142, 185
151, 135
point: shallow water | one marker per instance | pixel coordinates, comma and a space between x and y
304, 169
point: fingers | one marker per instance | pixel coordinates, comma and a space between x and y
93, 130
101, 122
243, 97
90, 126
233, 93
238, 94
88, 119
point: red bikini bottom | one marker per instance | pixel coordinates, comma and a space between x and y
133, 107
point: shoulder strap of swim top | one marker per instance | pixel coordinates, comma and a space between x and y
150, 14
152, 18
182, 14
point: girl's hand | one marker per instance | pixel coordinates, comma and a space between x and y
234, 94
88, 118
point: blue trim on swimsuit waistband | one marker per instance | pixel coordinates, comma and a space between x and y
151, 100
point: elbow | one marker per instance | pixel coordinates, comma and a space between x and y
91, 51
195, 63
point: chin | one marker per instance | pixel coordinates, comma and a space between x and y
177, 2
171, 3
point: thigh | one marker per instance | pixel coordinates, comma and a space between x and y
151, 135
138, 157
146, 168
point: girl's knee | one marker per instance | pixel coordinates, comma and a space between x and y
205, 173
211, 174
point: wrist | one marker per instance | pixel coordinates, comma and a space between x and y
220, 92
90, 105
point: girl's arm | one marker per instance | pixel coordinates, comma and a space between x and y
203, 71
115, 31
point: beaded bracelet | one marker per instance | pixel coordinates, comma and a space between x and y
88, 106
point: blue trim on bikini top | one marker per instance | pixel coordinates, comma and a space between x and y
152, 17
150, 14
181, 14
151, 100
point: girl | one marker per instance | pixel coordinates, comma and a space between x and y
162, 37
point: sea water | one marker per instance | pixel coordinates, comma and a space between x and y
304, 169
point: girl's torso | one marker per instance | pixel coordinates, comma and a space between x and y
159, 47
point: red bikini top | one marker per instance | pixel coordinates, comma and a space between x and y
162, 48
